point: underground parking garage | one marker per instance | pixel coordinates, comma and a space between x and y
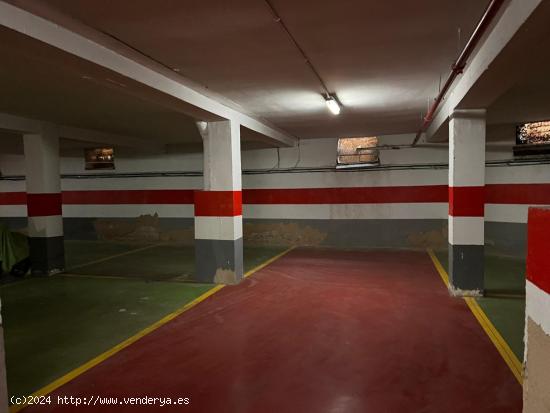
268, 205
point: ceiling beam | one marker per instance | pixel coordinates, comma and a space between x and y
24, 125
18, 123
93, 136
480, 77
93, 48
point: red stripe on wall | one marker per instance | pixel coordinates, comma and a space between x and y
538, 246
466, 201
526, 194
218, 203
365, 195
147, 196
13, 198
530, 194
43, 205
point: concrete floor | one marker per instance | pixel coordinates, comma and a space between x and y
155, 262
504, 302
315, 331
53, 325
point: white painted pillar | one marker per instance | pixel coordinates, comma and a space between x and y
44, 206
466, 202
218, 209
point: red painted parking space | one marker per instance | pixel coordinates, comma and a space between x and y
316, 331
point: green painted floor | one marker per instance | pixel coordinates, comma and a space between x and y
152, 262
504, 302
53, 325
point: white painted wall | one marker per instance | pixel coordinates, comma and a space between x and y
310, 153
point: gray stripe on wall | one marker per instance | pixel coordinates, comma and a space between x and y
508, 238
500, 237
466, 269
47, 255
348, 233
219, 261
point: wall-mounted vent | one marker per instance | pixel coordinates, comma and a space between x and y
99, 158
533, 139
357, 152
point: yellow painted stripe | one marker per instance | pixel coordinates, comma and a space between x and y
122, 254
502, 347
104, 356
269, 261
441, 271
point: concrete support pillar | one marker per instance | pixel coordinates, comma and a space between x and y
466, 202
218, 209
45, 220
536, 383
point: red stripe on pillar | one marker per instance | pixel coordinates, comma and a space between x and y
43, 205
538, 247
218, 203
466, 201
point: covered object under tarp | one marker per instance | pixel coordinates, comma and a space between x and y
14, 248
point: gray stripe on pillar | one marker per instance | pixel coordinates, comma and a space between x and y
219, 261
47, 255
466, 269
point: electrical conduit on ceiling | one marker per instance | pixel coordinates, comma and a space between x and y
458, 66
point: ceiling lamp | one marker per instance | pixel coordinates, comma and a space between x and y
332, 105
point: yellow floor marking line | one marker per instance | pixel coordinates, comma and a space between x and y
111, 352
104, 356
269, 261
122, 254
502, 347
441, 271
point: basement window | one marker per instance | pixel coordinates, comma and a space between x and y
357, 152
99, 158
533, 138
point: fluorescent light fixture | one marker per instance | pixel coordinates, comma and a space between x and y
332, 105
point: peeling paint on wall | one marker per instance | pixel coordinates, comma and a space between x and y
224, 276
436, 239
145, 228
282, 234
536, 397
142, 228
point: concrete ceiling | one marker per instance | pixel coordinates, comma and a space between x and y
515, 86
383, 60
38, 81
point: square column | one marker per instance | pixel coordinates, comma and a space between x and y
45, 221
218, 208
466, 202
536, 397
